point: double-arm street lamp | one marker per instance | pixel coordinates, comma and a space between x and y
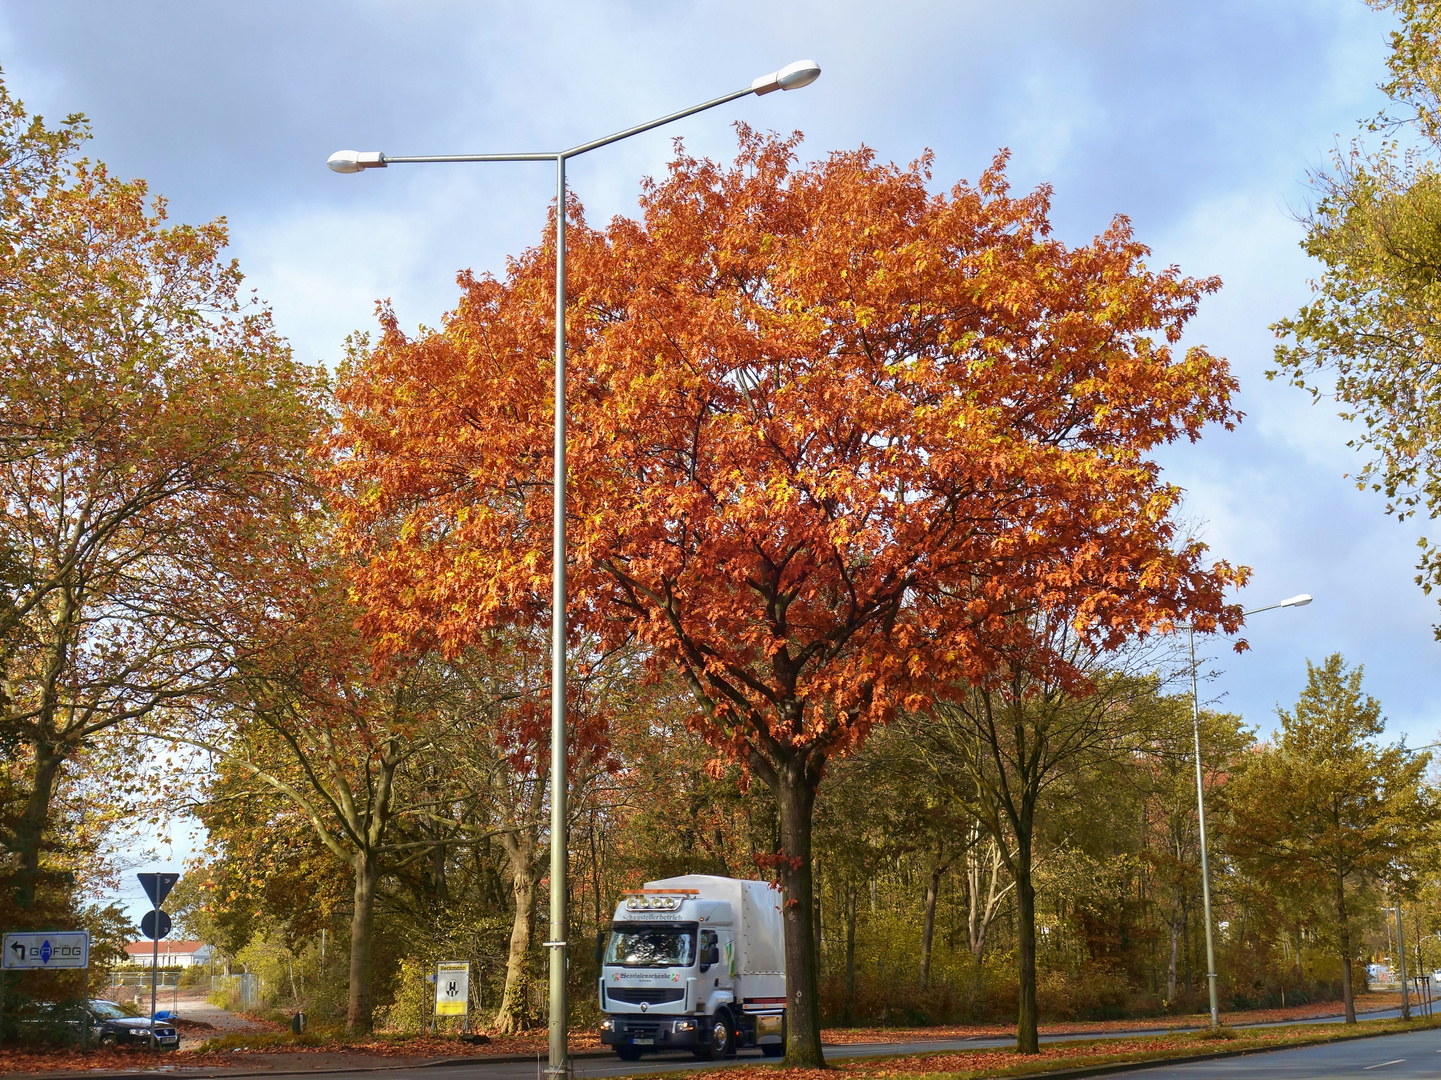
791, 77
1295, 601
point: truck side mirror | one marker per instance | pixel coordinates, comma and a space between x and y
600, 936
708, 956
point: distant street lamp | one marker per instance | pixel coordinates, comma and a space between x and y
1295, 601
1401, 955
791, 77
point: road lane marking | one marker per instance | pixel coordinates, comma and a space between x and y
1368, 1068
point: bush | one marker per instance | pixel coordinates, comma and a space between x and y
413, 1004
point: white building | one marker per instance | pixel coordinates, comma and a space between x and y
170, 954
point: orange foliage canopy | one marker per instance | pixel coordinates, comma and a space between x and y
836, 443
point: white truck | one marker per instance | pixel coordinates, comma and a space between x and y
697, 963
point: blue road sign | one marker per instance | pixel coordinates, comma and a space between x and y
158, 886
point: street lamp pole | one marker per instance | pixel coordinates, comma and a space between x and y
1295, 601
791, 77
1401, 954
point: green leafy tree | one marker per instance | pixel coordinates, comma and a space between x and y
998, 748
1326, 807
1371, 334
152, 426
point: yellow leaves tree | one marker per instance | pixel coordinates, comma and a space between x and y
1325, 808
151, 424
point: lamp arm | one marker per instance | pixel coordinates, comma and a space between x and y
574, 151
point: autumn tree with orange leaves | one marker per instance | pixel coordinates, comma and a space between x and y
838, 444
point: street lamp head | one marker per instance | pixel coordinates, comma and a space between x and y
353, 161
790, 77
1296, 601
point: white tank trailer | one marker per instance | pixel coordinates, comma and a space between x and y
696, 963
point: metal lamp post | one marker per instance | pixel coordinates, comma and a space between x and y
1295, 601
1401, 957
791, 77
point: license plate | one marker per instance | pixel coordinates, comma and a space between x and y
643, 1042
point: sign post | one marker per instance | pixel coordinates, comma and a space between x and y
157, 887
452, 991
42, 951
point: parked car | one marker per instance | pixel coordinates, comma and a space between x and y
111, 1024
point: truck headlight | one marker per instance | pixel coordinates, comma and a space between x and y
685, 1025
607, 1024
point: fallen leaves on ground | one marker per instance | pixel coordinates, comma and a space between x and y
966, 1064
1364, 1002
236, 1052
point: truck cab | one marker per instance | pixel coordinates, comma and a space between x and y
694, 963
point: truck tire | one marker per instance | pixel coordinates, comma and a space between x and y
628, 1053
722, 1038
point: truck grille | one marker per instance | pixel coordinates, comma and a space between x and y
635, 995
643, 1028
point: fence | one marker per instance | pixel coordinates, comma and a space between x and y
1420, 997
244, 988
163, 978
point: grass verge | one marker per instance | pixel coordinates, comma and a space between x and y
1087, 1054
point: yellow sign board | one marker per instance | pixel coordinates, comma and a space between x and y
452, 989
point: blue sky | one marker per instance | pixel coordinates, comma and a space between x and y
1197, 120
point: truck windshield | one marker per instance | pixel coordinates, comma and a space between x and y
640, 945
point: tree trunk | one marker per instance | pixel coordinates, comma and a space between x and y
1175, 924
515, 1012
820, 888
1186, 924
803, 1015
359, 1017
30, 830
1027, 1035
1344, 926
928, 929
850, 1015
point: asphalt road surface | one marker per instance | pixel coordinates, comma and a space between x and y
1416, 1054
1391, 1057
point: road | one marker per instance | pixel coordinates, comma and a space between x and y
1392, 1057
1416, 1054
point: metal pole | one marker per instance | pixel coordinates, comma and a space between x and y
1201, 819
154, 959
559, 963
559, 1033
1401, 952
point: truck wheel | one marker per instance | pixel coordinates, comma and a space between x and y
722, 1037
628, 1053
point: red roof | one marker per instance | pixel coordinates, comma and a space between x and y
143, 948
